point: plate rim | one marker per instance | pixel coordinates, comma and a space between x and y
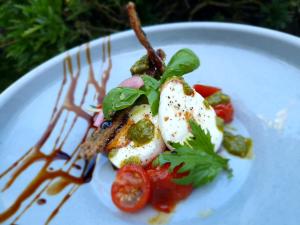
289, 39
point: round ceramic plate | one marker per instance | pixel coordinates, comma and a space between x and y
259, 68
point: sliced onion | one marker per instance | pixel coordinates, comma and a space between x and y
99, 119
133, 82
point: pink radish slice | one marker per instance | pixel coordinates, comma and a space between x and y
99, 119
132, 82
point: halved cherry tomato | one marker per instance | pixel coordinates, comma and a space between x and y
225, 111
164, 192
205, 90
131, 189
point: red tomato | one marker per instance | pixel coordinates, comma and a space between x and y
131, 189
205, 91
164, 192
225, 111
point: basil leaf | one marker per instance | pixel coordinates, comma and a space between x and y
182, 62
151, 91
153, 99
119, 98
150, 82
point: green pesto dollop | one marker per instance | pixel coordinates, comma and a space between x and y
112, 153
218, 98
187, 89
140, 66
237, 145
132, 160
220, 123
206, 104
142, 132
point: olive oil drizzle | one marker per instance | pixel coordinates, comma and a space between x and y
55, 181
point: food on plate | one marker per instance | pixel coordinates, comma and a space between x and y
139, 141
178, 104
162, 134
131, 189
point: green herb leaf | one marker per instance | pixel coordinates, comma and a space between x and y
197, 157
182, 62
123, 97
150, 82
119, 98
150, 88
153, 99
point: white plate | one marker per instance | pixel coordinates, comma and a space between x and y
259, 68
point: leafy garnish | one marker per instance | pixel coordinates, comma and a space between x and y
150, 82
196, 157
151, 90
119, 98
122, 97
182, 62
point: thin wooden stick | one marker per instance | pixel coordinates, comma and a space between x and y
136, 26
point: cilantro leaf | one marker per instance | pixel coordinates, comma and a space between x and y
197, 157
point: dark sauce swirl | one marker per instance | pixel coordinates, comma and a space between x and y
54, 181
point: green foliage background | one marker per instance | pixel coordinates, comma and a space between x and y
32, 31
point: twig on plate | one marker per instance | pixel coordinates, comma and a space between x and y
136, 26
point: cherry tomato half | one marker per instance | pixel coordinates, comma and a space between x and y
164, 192
225, 111
131, 188
205, 90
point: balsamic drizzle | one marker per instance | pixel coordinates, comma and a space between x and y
54, 181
